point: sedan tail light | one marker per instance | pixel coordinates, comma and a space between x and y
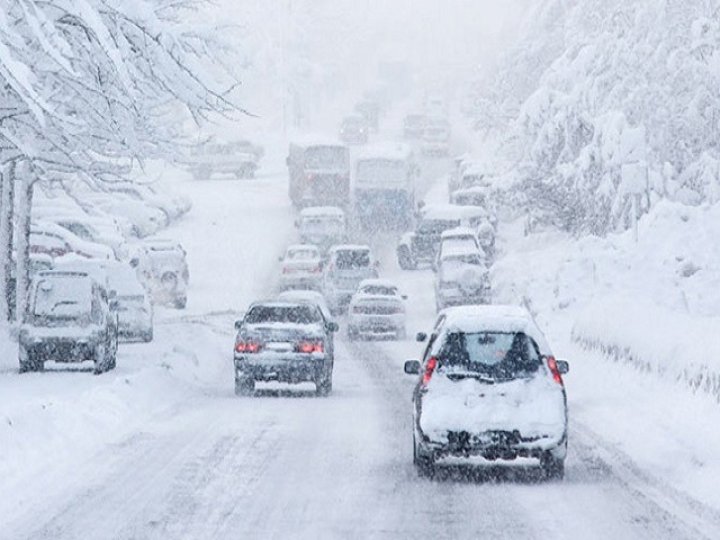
248, 346
429, 370
309, 347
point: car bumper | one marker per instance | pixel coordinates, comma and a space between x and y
376, 324
288, 369
458, 299
61, 350
134, 328
301, 282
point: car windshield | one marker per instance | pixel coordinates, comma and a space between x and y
466, 258
380, 290
301, 254
501, 355
64, 298
437, 226
323, 225
301, 314
326, 157
352, 258
380, 172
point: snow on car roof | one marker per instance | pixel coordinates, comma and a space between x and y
451, 211
458, 250
302, 247
457, 232
497, 318
322, 211
377, 283
387, 150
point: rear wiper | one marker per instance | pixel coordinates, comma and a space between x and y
458, 376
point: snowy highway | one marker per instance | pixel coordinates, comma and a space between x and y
191, 460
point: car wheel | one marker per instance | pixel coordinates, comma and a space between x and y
101, 359
323, 387
244, 387
424, 465
147, 336
552, 467
112, 361
28, 362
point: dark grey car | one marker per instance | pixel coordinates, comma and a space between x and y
289, 342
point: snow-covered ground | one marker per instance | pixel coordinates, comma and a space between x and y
162, 448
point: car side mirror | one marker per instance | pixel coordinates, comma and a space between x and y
420, 337
332, 326
412, 367
135, 262
563, 367
238, 324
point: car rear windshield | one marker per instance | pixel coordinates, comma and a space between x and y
304, 314
350, 259
380, 290
326, 157
64, 299
437, 226
302, 254
323, 225
469, 258
501, 355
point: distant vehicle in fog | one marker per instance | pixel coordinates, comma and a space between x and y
414, 126
489, 386
162, 267
238, 158
354, 130
347, 266
370, 111
384, 187
462, 277
319, 173
377, 309
69, 318
286, 342
436, 137
301, 268
459, 238
421, 245
322, 226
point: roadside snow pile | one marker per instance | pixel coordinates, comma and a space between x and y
654, 304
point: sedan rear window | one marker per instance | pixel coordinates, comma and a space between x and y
500, 355
350, 259
305, 314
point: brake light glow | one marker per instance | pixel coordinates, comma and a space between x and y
429, 370
247, 346
309, 347
552, 365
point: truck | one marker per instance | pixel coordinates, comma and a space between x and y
384, 187
319, 173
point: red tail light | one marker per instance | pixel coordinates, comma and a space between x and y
248, 346
309, 347
429, 370
552, 365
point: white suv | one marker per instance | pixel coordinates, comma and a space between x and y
489, 386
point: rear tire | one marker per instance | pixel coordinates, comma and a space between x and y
405, 259
147, 337
424, 465
244, 387
552, 467
28, 362
102, 359
323, 387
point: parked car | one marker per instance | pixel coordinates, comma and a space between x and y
144, 219
134, 308
69, 319
95, 230
414, 126
421, 245
51, 239
354, 130
347, 266
285, 342
173, 206
377, 309
162, 267
436, 137
239, 158
322, 226
301, 268
462, 278
489, 386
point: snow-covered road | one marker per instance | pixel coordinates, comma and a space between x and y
174, 454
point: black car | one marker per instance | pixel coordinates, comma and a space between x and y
288, 342
69, 319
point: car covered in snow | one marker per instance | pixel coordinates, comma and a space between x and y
323, 226
286, 342
377, 309
48, 238
301, 268
462, 277
422, 244
97, 230
239, 158
413, 126
162, 268
354, 130
347, 266
458, 238
319, 173
489, 387
436, 137
134, 308
69, 318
